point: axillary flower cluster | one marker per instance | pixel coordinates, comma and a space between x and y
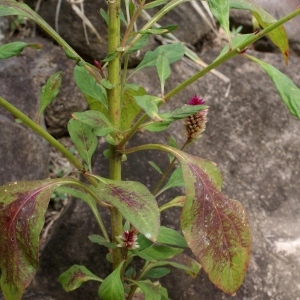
128, 240
195, 124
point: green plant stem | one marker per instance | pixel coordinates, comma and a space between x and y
163, 177
132, 21
234, 52
114, 100
42, 132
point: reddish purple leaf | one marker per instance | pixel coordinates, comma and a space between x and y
22, 208
215, 227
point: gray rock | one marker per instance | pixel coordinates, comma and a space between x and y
23, 155
254, 141
22, 77
277, 9
4, 28
69, 23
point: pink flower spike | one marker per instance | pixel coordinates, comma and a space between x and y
128, 240
195, 100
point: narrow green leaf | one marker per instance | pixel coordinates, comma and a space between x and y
288, 91
143, 41
98, 239
22, 209
155, 3
75, 276
84, 140
122, 17
104, 15
157, 273
177, 114
130, 109
149, 289
143, 242
134, 201
110, 57
176, 202
150, 105
171, 237
107, 84
220, 9
14, 48
88, 85
163, 70
278, 36
71, 54
173, 53
50, 90
112, 287
156, 167
183, 262
175, 180
160, 252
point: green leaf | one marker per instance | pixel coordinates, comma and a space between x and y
176, 202
143, 41
122, 18
288, 91
159, 252
134, 201
220, 9
88, 85
110, 57
278, 36
155, 3
149, 289
72, 55
157, 273
183, 262
130, 110
98, 239
143, 242
50, 90
177, 114
104, 15
171, 237
75, 276
159, 30
84, 140
107, 84
22, 208
150, 105
175, 180
14, 48
112, 287
156, 167
163, 70
99, 123
173, 53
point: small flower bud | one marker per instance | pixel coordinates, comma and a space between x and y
195, 124
128, 240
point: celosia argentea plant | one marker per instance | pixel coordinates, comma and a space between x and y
213, 226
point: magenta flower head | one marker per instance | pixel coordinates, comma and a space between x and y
195, 124
128, 240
